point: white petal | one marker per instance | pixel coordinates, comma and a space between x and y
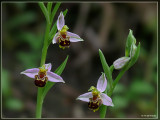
52, 77
72, 34
102, 83
48, 66
74, 37
31, 72
55, 37
60, 21
85, 97
106, 100
121, 62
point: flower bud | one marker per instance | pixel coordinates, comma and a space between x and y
130, 40
121, 62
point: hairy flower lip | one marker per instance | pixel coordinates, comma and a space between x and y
101, 86
52, 77
62, 28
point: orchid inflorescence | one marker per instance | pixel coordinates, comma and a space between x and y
97, 96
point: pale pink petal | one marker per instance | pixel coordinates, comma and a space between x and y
121, 62
60, 21
102, 83
55, 37
48, 66
106, 100
85, 97
74, 37
72, 34
31, 72
52, 77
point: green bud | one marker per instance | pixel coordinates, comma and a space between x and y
130, 40
133, 49
135, 56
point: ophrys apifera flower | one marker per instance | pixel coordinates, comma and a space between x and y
63, 37
42, 75
95, 97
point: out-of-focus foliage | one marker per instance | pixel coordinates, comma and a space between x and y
9, 101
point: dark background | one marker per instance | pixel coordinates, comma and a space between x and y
103, 26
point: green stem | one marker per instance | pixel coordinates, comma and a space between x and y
103, 110
117, 80
43, 58
45, 45
39, 103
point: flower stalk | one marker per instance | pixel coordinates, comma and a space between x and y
43, 58
131, 56
44, 51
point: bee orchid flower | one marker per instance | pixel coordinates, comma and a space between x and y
42, 75
63, 37
96, 97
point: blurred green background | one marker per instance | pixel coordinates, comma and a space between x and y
103, 26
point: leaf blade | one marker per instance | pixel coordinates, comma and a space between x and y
106, 68
44, 10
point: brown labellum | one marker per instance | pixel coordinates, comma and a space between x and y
40, 82
63, 40
94, 103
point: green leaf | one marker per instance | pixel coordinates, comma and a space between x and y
54, 29
49, 7
58, 71
130, 40
54, 11
108, 73
44, 10
106, 68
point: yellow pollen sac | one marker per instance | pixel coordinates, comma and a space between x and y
94, 90
43, 69
95, 93
64, 30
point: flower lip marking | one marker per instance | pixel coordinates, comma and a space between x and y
41, 78
95, 102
